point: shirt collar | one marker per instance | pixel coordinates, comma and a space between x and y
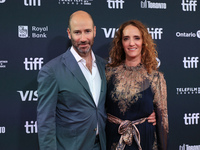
79, 58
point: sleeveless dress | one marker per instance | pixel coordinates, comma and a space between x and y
133, 94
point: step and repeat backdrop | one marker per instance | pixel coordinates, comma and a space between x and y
32, 32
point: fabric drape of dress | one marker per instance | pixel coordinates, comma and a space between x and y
133, 94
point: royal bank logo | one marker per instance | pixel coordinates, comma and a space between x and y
190, 62
189, 5
3, 63
115, 4
22, 31
153, 5
32, 2
188, 34
189, 147
33, 32
76, 2
2, 130
2, 1
188, 91
156, 33
31, 127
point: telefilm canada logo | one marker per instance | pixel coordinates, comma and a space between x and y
3, 63
189, 147
25, 31
76, 2
188, 90
153, 5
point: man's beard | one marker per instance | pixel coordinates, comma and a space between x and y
79, 50
83, 51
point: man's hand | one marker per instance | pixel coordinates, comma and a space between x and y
152, 118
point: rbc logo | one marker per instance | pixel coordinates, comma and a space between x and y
23, 31
33, 64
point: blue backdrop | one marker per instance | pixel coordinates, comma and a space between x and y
34, 31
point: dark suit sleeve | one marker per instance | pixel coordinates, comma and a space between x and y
47, 100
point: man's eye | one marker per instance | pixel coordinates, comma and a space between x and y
87, 31
76, 32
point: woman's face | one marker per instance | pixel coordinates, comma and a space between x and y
132, 43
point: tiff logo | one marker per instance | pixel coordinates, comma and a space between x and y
190, 62
33, 64
109, 33
32, 2
28, 95
191, 118
155, 32
189, 5
115, 4
2, 1
31, 127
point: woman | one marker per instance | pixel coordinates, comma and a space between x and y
135, 90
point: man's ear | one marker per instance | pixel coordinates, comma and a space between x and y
68, 32
94, 31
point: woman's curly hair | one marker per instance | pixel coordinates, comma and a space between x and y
148, 53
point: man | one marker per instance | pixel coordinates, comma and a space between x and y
71, 93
